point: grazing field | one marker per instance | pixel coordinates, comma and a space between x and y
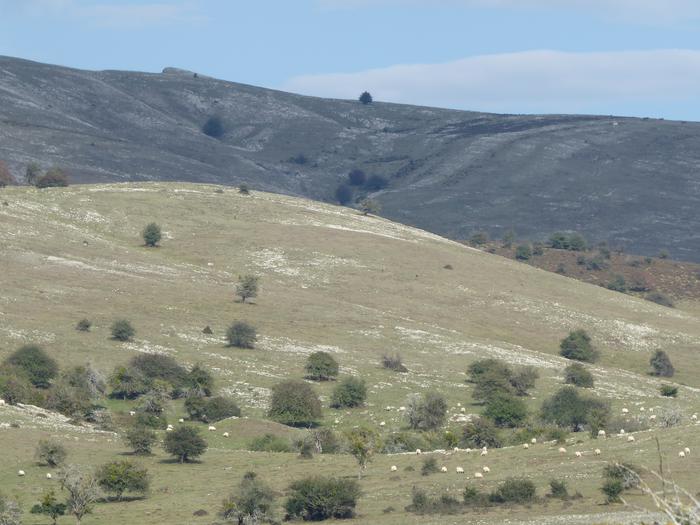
331, 279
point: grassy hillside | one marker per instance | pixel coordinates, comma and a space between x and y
331, 279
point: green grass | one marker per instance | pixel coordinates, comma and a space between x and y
331, 280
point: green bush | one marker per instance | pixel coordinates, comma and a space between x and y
50, 452
199, 381
140, 439
242, 335
612, 488
523, 252
349, 393
270, 443
576, 374
319, 498
493, 376
429, 466
69, 401
422, 503
159, 367
569, 409
393, 362
247, 287
564, 241
659, 298
294, 403
472, 497
478, 238
118, 477
481, 432
426, 412
184, 443
211, 410
38, 365
15, 386
321, 366
50, 506
326, 440
357, 177
376, 183
214, 127
243, 189
343, 194
122, 330
668, 390
661, 364
398, 442
54, 178
252, 503
365, 98
577, 346
83, 325
151, 235
625, 473
618, 284
505, 410
558, 489
127, 383
514, 490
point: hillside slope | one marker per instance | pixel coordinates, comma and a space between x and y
634, 182
331, 279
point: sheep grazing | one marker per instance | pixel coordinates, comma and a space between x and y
212, 428
578, 454
418, 451
181, 420
459, 404
642, 409
622, 431
478, 475
169, 429
625, 411
48, 475
402, 409
132, 413
694, 417
456, 449
382, 423
20, 472
226, 434
467, 450
597, 452
533, 441
486, 469
462, 410
2, 402
652, 417
484, 452
459, 470
681, 454
630, 439
443, 469
394, 468
686, 450
562, 450
526, 446
601, 433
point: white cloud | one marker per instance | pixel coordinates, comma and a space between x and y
526, 82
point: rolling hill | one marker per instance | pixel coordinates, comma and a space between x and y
633, 182
331, 279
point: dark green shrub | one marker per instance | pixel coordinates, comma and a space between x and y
159, 367
474, 498
422, 503
122, 330
568, 408
184, 443
319, 498
478, 239
523, 380
140, 439
481, 432
294, 403
214, 127
659, 298
558, 489
349, 393
83, 325
127, 383
426, 412
556, 434
625, 473
243, 189
514, 490
69, 401
15, 386
612, 488
538, 248
661, 364
365, 98
247, 287
668, 390
199, 381
393, 362
118, 477
38, 365
50, 506
50, 452
211, 410
270, 443
576, 374
505, 410
253, 502
429, 466
397, 442
523, 252
321, 366
564, 241
54, 178
376, 183
242, 335
577, 345
151, 235
357, 177
343, 194
618, 284
493, 376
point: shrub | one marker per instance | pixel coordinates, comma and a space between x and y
422, 503
39, 367
32, 173
6, 177
82, 489
558, 489
365, 98
184, 443
357, 177
247, 287
524, 379
50, 452
523, 252
349, 393
369, 206
321, 366
294, 403
211, 410
481, 432
69, 400
556, 434
343, 194
299, 158
393, 362
612, 488
661, 364
576, 374
151, 235
362, 443
618, 284
478, 239
473, 498
376, 183
140, 439
199, 381
15, 386
659, 298
127, 383
426, 412
243, 189
505, 410
537, 248
567, 408
159, 367
508, 238
493, 376
49, 505
304, 446
319, 498
252, 503
122, 330
625, 473
54, 178
242, 335
326, 441
668, 390
577, 345
83, 325
118, 477
429, 466
397, 442
214, 127
564, 241
270, 443
514, 490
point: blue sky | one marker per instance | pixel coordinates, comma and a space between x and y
624, 57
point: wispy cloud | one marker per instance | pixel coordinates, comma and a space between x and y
112, 13
530, 81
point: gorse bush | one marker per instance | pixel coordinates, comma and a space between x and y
270, 443
576, 374
668, 390
122, 330
505, 410
319, 498
514, 490
50, 452
349, 393
577, 345
151, 235
211, 410
39, 367
247, 287
214, 127
480, 432
393, 362
242, 335
294, 403
558, 489
429, 466
661, 364
321, 366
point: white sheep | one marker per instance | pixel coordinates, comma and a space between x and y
533, 441
226, 434
652, 417
456, 449
418, 451
48, 475
526, 446
486, 469
402, 409
20, 472
484, 452
181, 420
459, 470
622, 431
467, 450
394, 468
601, 433
630, 439
642, 409
443, 469
382, 423
459, 404
625, 411
686, 450
578, 454
462, 410
2, 402
169, 429
681, 454
478, 475
597, 452
694, 417
132, 413
212, 428
562, 450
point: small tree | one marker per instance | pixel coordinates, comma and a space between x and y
319, 498
200, 381
50, 452
83, 325
184, 443
214, 127
514, 490
140, 439
6, 177
32, 173
393, 362
612, 488
252, 503
241, 335
118, 477
365, 98
523, 252
49, 506
82, 489
369, 206
54, 178
576, 374
122, 330
343, 194
15, 386
39, 366
151, 235
294, 403
243, 189
127, 383
508, 239
426, 412
505, 410
321, 366
577, 345
481, 432
351, 392
357, 177
568, 408
661, 364
247, 287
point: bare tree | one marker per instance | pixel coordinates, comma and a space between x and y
82, 489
